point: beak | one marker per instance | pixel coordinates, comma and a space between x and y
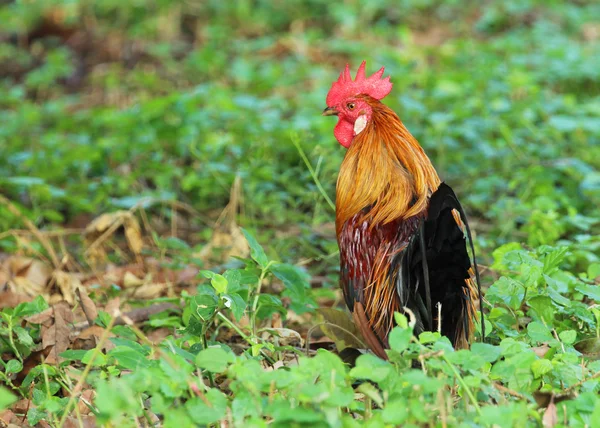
330, 111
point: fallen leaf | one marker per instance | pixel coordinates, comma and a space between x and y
41, 317
9, 299
147, 291
133, 234
286, 336
58, 336
540, 351
26, 276
67, 284
6, 416
87, 305
89, 421
104, 226
130, 280
88, 396
341, 329
550, 417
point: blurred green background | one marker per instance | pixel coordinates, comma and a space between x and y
105, 103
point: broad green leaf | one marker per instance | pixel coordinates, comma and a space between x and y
489, 353
538, 332
13, 366
207, 413
236, 303
400, 338
370, 367
129, 358
214, 360
256, 251
6, 398
568, 337
541, 367
29, 308
219, 283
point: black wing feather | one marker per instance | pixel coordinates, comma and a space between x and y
435, 265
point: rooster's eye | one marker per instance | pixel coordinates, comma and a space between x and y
350, 106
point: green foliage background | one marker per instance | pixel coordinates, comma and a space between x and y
174, 100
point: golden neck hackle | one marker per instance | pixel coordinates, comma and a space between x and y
386, 169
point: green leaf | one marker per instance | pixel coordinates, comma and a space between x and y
219, 283
23, 336
202, 413
396, 412
591, 291
370, 367
29, 308
568, 337
14, 366
538, 332
129, 358
256, 251
73, 354
401, 320
6, 398
214, 360
205, 305
236, 304
35, 415
593, 271
489, 353
292, 277
543, 308
400, 338
541, 367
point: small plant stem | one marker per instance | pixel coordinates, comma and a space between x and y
256, 295
312, 173
87, 370
236, 328
250, 340
12, 341
463, 384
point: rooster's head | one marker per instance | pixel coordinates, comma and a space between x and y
348, 99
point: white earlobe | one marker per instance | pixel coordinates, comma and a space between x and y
360, 124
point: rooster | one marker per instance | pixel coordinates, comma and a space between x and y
400, 230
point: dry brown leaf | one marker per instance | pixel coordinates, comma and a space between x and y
341, 329
133, 234
130, 280
87, 305
6, 416
147, 291
22, 406
8, 299
286, 336
550, 417
540, 351
91, 332
58, 335
159, 335
41, 317
88, 421
104, 226
88, 396
67, 284
26, 276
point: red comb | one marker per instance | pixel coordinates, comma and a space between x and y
345, 87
